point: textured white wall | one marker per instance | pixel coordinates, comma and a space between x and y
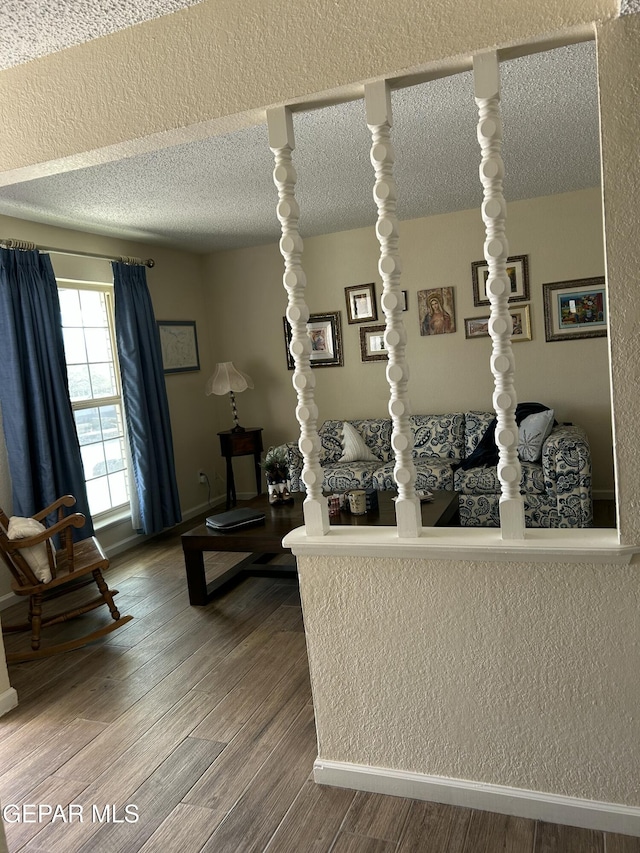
224, 61
521, 675
619, 68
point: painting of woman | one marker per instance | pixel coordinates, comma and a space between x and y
436, 311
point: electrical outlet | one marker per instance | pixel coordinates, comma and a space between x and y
202, 477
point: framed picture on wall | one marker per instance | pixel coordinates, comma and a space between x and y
372, 345
478, 327
518, 272
326, 340
179, 345
436, 311
361, 303
575, 309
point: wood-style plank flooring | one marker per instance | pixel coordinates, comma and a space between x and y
202, 719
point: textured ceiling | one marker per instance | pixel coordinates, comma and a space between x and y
33, 28
219, 194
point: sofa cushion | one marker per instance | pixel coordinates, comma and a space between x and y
354, 447
532, 433
341, 476
431, 473
475, 426
330, 434
376, 433
438, 435
484, 481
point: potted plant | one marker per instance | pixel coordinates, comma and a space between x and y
276, 468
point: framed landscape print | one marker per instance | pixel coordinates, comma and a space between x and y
361, 303
518, 272
326, 340
478, 327
179, 345
372, 345
575, 309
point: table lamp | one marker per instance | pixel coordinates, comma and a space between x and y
227, 379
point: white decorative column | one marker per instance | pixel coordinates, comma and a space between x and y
378, 109
496, 250
281, 142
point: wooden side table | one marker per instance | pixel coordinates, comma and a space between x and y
247, 442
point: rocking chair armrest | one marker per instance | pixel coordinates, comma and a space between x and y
75, 520
65, 500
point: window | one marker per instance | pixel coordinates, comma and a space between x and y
94, 388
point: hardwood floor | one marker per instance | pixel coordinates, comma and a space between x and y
202, 719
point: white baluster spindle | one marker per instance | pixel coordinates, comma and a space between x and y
496, 250
378, 110
282, 143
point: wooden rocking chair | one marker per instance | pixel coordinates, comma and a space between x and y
68, 567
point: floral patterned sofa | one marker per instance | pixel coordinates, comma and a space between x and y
556, 489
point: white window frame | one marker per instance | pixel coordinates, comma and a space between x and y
121, 511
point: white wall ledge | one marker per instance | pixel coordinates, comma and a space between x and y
472, 544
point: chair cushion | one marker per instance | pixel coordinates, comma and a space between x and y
36, 556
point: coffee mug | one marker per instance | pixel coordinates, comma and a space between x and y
357, 501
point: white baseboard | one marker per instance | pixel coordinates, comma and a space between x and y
537, 805
8, 701
204, 507
8, 600
132, 538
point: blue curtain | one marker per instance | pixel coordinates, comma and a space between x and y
40, 431
145, 400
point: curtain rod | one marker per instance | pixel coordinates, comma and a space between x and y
30, 247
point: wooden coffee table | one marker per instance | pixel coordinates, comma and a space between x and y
264, 541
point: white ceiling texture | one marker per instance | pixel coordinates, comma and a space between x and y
219, 194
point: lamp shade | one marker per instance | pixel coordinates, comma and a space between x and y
226, 378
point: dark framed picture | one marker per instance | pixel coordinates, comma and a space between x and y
361, 303
372, 344
575, 309
179, 345
325, 332
478, 327
518, 272
436, 311
404, 300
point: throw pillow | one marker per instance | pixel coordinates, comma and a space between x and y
532, 433
354, 448
36, 556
